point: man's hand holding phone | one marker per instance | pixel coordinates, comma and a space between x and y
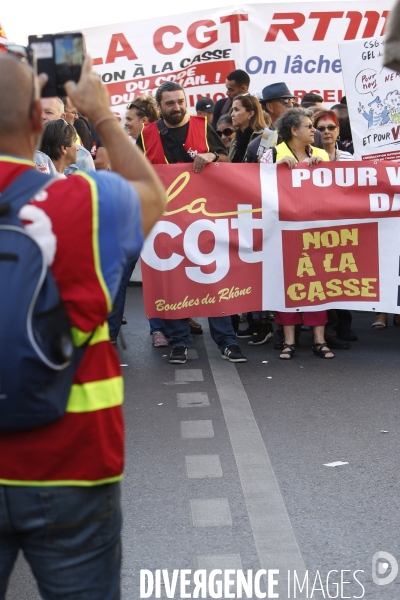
89, 95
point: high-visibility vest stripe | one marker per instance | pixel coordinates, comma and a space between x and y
101, 334
47, 483
17, 161
96, 395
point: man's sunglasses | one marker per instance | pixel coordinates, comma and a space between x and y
328, 127
226, 132
23, 53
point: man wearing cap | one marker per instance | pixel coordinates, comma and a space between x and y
205, 108
276, 99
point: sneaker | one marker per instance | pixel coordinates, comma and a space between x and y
262, 334
113, 340
245, 333
178, 355
158, 340
233, 353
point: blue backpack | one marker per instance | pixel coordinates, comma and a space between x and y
38, 359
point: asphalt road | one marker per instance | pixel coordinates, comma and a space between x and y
225, 464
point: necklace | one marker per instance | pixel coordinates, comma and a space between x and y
294, 153
335, 156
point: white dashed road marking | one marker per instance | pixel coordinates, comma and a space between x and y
196, 429
189, 375
202, 466
193, 400
274, 538
211, 513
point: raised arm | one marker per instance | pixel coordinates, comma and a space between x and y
90, 96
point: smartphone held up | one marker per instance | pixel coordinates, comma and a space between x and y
60, 56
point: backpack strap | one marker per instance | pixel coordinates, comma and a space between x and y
169, 142
274, 153
23, 189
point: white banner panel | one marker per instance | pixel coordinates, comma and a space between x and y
295, 43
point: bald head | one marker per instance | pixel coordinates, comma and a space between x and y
15, 95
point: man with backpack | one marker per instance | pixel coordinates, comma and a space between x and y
60, 468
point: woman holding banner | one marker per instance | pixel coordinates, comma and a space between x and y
249, 122
327, 123
296, 131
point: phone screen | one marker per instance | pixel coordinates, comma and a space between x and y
68, 51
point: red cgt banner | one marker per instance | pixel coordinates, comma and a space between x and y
191, 262
238, 238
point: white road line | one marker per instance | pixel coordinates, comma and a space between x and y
274, 538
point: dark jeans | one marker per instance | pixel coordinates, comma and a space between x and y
221, 330
115, 318
69, 535
157, 325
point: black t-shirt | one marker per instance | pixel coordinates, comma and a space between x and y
96, 141
180, 135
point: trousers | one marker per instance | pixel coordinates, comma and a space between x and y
221, 330
70, 536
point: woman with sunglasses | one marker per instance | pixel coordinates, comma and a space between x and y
225, 131
296, 131
248, 121
327, 123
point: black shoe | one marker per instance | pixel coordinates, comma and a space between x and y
264, 331
245, 333
336, 343
233, 353
178, 355
349, 335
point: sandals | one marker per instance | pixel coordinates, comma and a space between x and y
381, 321
322, 350
287, 351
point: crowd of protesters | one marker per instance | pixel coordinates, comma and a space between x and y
306, 130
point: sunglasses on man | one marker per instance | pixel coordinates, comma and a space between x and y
23, 53
226, 132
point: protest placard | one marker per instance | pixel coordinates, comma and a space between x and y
373, 99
